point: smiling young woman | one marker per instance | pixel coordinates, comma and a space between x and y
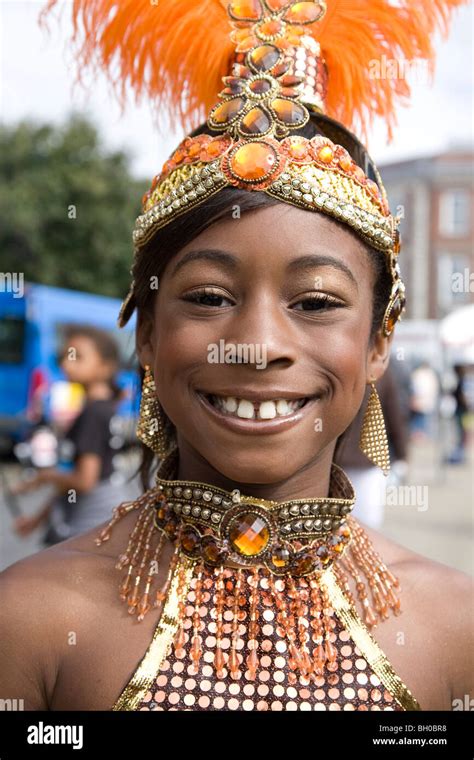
248, 583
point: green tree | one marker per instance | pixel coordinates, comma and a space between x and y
67, 207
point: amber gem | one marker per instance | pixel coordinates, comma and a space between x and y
215, 147
277, 5
288, 112
162, 513
194, 150
264, 57
298, 148
270, 28
171, 526
323, 554
259, 86
288, 80
249, 534
233, 84
281, 68
255, 122
253, 161
189, 540
211, 551
359, 174
289, 92
326, 154
248, 43
246, 9
394, 314
228, 110
301, 13
280, 556
177, 156
345, 163
303, 563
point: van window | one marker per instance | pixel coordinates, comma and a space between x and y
12, 339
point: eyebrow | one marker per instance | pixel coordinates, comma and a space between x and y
227, 260
231, 262
311, 260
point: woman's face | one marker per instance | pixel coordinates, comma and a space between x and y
290, 293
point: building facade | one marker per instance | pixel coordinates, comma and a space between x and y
435, 197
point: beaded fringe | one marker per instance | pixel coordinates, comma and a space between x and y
304, 615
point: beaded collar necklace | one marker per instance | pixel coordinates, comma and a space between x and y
297, 536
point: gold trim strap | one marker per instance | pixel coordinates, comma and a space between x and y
158, 649
367, 645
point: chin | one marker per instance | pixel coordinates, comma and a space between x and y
262, 467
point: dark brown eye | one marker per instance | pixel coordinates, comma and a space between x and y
319, 302
206, 297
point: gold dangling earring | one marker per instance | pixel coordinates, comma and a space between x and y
153, 427
373, 435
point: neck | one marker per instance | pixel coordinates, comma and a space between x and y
312, 480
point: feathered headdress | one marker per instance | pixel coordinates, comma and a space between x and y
282, 63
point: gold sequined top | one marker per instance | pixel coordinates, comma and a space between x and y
360, 679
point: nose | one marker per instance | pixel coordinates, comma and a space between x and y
263, 323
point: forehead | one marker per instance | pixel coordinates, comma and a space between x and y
278, 235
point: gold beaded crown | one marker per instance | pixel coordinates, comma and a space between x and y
283, 64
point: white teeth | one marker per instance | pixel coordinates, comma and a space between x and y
245, 409
230, 404
283, 407
267, 410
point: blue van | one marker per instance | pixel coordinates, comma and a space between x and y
32, 324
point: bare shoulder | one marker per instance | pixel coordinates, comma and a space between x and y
40, 596
440, 602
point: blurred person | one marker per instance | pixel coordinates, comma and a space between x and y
424, 399
458, 455
369, 482
84, 494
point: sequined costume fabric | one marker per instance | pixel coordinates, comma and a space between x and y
166, 680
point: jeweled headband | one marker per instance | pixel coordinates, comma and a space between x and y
284, 63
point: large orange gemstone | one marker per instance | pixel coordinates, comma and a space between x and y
253, 160
288, 112
246, 9
255, 122
303, 13
228, 110
264, 57
249, 534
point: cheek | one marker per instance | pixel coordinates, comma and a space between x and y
181, 350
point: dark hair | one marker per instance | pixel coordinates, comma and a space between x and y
106, 346
166, 242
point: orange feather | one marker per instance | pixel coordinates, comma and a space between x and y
175, 52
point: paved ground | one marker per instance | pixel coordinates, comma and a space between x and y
436, 522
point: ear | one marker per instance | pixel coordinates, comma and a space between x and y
144, 339
378, 357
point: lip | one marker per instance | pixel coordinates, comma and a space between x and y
259, 395
257, 427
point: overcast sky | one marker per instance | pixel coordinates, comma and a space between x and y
37, 71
